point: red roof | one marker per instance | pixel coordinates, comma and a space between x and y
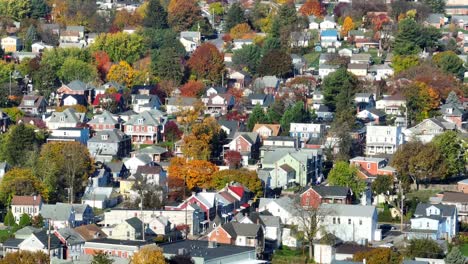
26, 200
117, 98
238, 190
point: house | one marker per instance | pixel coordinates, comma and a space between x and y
372, 115
204, 200
304, 131
209, 252
113, 102
314, 196
391, 105
218, 104
462, 186
300, 39
144, 128
109, 144
145, 102
383, 139
4, 168
328, 23
299, 64
30, 205
435, 20
435, 221
428, 129
381, 71
72, 241
39, 241
140, 160
177, 104
361, 58
73, 99
90, 232
76, 87
345, 52
247, 143
156, 153
72, 34
364, 101
104, 121
325, 69
267, 130
129, 229
67, 215
313, 24
280, 142
231, 127
241, 79
68, 118
324, 113
454, 113
271, 226
329, 38
358, 69
239, 43
264, 100
370, 167
283, 207
114, 247
356, 34
239, 234
278, 177
117, 169
21, 55
267, 84
108, 85
190, 40
100, 197
32, 104
306, 163
460, 201
69, 134
349, 222
154, 175
11, 44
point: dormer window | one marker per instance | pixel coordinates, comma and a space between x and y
101, 120
140, 121
29, 102
62, 119
104, 137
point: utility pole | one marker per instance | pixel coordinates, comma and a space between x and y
401, 206
48, 240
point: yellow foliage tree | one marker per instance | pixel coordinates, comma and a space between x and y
240, 30
348, 25
151, 254
197, 143
125, 74
196, 173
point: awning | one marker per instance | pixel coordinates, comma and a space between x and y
246, 205
204, 222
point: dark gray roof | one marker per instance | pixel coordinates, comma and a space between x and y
12, 242
71, 236
43, 237
249, 136
239, 229
80, 99
104, 118
331, 191
109, 136
115, 166
199, 248
446, 210
406, 261
77, 85
377, 112
455, 197
232, 125
135, 223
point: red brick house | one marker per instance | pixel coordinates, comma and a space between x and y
316, 195
114, 247
104, 121
239, 234
144, 128
204, 200
247, 143
372, 167
76, 87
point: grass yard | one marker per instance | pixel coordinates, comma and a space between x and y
312, 59
4, 235
464, 249
290, 256
422, 195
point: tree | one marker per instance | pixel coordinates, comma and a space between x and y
16, 9
74, 69
183, 14
45, 80
120, 46
31, 36
406, 37
18, 144
25, 257
152, 194
39, 8
452, 98
422, 101
245, 177
402, 63
150, 254
172, 131
216, 8
449, 62
455, 256
247, 58
195, 173
9, 219
124, 73
312, 7
348, 25
14, 113
341, 128
20, 182
437, 6
451, 147
239, 30
101, 258
207, 63
345, 175
166, 64
339, 88
199, 143
181, 259
234, 16
192, 88
37, 221
382, 184
25, 220
162, 38
155, 16
103, 63
424, 248
276, 63
257, 117
295, 114
379, 256
232, 158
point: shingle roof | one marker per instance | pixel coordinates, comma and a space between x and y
149, 169
70, 116
43, 237
249, 136
455, 197
446, 210
26, 200
109, 136
200, 249
147, 118
71, 236
90, 232
348, 210
104, 118
115, 166
275, 128
77, 85
331, 191
239, 229
135, 222
153, 149
61, 211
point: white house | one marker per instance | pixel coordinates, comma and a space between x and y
328, 23
383, 139
381, 71
68, 118
40, 46
349, 222
391, 105
190, 40
30, 205
325, 69
282, 207
428, 129
306, 131
239, 43
436, 221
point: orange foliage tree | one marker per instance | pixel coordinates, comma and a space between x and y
195, 173
192, 88
240, 30
312, 7
348, 24
207, 63
183, 14
197, 143
103, 63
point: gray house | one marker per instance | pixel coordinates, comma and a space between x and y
109, 144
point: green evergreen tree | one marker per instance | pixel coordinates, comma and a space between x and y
339, 89
452, 98
31, 36
257, 117
437, 6
166, 64
39, 8
155, 16
406, 38
248, 57
234, 16
25, 220
9, 219
17, 144
455, 257
294, 114
102, 258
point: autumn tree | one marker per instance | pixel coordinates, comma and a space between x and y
192, 88
232, 158
240, 30
199, 143
25, 257
183, 14
21, 182
345, 175
276, 63
150, 254
103, 63
207, 63
379, 256
195, 173
155, 16
312, 7
422, 101
172, 131
120, 46
245, 177
348, 25
125, 74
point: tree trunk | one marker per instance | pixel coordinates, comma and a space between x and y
311, 251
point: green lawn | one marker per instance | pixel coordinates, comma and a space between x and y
312, 59
464, 249
289, 256
4, 235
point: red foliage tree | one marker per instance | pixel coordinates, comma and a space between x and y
207, 62
227, 38
103, 63
192, 88
172, 131
312, 7
232, 158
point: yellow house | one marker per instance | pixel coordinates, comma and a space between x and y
358, 69
130, 229
126, 187
11, 44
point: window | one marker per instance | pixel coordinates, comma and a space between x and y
334, 220
128, 233
360, 222
339, 221
62, 119
104, 137
140, 121
427, 224
368, 165
349, 221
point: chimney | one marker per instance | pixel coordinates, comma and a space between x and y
364, 261
34, 197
